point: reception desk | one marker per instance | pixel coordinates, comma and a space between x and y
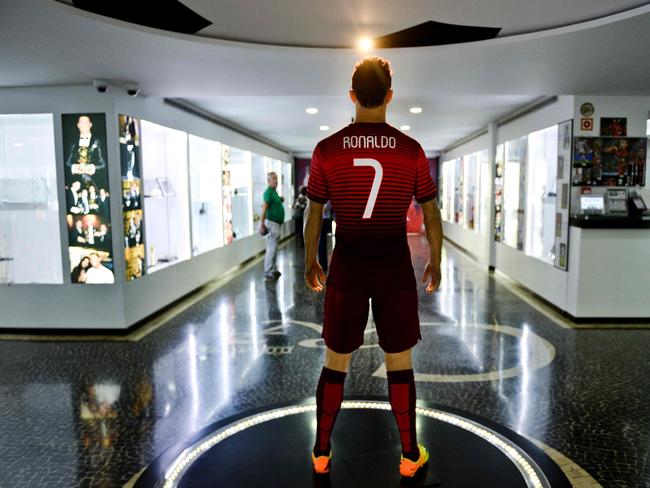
609, 269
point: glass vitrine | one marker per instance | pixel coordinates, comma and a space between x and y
205, 185
30, 232
241, 192
166, 195
259, 185
287, 189
514, 187
541, 194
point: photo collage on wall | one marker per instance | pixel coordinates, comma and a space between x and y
609, 161
564, 134
499, 164
88, 214
228, 234
132, 201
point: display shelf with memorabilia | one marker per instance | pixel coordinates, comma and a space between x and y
241, 192
166, 195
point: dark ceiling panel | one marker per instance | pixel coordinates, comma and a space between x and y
170, 15
433, 33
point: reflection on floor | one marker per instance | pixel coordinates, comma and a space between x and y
94, 414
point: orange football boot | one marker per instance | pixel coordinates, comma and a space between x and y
321, 463
408, 468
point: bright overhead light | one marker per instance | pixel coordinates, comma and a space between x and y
18, 144
365, 44
312, 110
324, 127
415, 110
404, 127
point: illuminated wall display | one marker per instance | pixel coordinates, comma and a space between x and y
166, 195
132, 201
205, 185
228, 233
30, 244
87, 198
564, 135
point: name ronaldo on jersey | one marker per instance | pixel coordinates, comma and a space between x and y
369, 142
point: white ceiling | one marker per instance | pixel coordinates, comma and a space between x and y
267, 88
343, 22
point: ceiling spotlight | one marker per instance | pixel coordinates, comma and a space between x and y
404, 127
312, 110
324, 127
365, 44
415, 110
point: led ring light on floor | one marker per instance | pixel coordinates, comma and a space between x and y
531, 473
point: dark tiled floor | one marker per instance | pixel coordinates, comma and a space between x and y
93, 414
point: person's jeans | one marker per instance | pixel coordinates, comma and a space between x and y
272, 238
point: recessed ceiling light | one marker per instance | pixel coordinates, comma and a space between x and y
415, 110
365, 44
324, 127
405, 127
312, 110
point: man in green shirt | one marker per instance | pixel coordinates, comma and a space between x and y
272, 219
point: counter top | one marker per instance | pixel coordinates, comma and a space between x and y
609, 222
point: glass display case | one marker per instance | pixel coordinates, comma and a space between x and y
470, 191
447, 190
514, 192
166, 195
541, 194
205, 192
259, 185
30, 232
482, 196
458, 191
241, 192
287, 189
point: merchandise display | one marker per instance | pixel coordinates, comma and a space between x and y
205, 188
132, 202
30, 235
166, 198
87, 193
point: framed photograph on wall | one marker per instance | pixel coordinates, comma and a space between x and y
613, 126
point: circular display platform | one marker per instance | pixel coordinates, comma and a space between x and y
270, 448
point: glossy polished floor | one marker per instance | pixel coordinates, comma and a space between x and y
94, 414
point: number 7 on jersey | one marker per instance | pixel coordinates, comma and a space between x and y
374, 191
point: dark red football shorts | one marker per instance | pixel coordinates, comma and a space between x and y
395, 313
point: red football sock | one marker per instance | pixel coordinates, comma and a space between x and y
329, 395
401, 394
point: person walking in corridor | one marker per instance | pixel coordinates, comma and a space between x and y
270, 223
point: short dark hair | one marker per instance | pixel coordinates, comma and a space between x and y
371, 81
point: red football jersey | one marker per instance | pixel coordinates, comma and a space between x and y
370, 172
